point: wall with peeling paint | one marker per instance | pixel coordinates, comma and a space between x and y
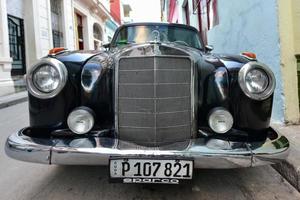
251, 26
296, 22
288, 45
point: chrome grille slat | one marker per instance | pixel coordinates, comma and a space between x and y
145, 70
157, 112
184, 125
157, 98
154, 99
156, 84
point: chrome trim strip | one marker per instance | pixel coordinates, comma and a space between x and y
194, 99
214, 153
149, 70
157, 98
63, 76
242, 82
156, 84
153, 127
156, 112
116, 97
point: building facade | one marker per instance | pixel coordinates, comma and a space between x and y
269, 28
120, 10
28, 29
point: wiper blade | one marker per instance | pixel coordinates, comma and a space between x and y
183, 43
124, 42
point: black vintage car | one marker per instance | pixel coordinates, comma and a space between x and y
154, 104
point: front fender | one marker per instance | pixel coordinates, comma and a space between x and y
53, 112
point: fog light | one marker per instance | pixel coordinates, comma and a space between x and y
81, 120
220, 120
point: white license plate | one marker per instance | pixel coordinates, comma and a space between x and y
133, 170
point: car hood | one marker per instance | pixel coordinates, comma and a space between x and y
173, 49
152, 48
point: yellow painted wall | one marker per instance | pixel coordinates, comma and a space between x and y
288, 36
296, 20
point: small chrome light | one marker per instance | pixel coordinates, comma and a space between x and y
81, 120
47, 78
220, 120
257, 81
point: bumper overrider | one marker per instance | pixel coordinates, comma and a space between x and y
206, 153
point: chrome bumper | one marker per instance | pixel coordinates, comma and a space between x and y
206, 153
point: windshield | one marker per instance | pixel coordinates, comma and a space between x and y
163, 33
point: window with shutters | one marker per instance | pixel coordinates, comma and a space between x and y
56, 16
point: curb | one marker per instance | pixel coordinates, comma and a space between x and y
289, 172
13, 99
290, 168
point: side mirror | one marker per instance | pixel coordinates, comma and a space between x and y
106, 45
209, 48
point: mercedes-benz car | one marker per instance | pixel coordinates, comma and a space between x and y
153, 105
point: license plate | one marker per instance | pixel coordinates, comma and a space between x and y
167, 171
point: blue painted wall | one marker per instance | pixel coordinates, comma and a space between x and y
251, 25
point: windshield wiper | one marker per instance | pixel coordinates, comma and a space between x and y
122, 42
184, 44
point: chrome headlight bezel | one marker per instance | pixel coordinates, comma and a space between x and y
63, 77
216, 113
81, 113
271, 80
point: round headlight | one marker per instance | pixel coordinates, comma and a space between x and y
220, 120
257, 81
47, 78
81, 120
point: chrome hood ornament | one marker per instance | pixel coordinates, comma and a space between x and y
156, 36
156, 40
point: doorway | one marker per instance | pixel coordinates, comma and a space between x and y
79, 26
98, 36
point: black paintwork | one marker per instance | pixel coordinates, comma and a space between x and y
91, 83
97, 89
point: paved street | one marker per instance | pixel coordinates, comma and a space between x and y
20, 180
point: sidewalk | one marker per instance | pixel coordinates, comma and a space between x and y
13, 99
290, 169
12, 91
12, 86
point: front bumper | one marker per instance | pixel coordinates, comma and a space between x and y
206, 153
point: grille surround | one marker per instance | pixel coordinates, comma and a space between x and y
162, 73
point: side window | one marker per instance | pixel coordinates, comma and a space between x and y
122, 37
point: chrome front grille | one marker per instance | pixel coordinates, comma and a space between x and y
153, 99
